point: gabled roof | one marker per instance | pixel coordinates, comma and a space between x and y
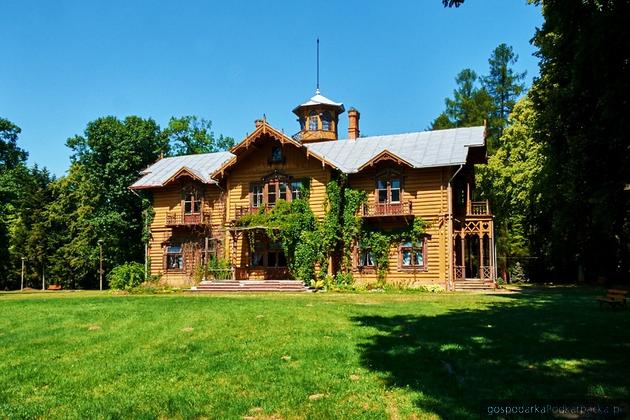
417, 150
197, 166
320, 99
239, 149
420, 150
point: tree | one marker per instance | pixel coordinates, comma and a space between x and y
190, 135
105, 161
10, 154
470, 106
504, 87
508, 181
581, 101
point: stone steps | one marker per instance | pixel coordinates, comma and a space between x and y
292, 286
474, 285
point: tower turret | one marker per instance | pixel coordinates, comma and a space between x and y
318, 119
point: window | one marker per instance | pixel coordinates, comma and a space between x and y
257, 195
388, 188
326, 125
174, 258
271, 194
412, 254
276, 187
192, 201
366, 258
312, 121
276, 155
275, 255
265, 253
258, 253
296, 189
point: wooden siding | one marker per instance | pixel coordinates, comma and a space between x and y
167, 200
426, 190
253, 167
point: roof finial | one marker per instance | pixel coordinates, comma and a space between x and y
317, 90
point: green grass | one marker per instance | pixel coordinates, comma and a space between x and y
88, 354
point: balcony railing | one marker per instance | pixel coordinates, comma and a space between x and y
240, 211
478, 208
181, 219
387, 209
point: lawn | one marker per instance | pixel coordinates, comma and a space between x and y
377, 355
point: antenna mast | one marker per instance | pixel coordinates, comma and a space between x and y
317, 90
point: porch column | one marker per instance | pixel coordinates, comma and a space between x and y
463, 241
480, 256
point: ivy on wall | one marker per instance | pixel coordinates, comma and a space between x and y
310, 244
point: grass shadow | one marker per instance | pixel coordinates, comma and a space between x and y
551, 344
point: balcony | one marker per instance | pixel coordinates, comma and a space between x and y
240, 211
379, 210
174, 219
478, 208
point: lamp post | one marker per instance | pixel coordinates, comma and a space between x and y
100, 270
22, 276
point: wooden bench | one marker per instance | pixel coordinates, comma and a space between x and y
614, 298
54, 287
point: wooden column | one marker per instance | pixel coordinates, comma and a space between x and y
463, 241
468, 204
480, 256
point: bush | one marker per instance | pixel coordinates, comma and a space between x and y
126, 276
517, 274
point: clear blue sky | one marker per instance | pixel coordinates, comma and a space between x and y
66, 63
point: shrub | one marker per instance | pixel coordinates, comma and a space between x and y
126, 276
517, 274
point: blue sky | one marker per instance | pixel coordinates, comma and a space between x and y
66, 63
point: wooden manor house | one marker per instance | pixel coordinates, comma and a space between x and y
198, 200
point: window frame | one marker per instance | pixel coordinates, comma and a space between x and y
283, 189
167, 255
195, 200
387, 177
263, 247
423, 250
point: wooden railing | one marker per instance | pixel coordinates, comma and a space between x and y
240, 211
478, 208
181, 219
387, 209
485, 273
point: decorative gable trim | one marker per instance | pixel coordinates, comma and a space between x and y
385, 155
183, 171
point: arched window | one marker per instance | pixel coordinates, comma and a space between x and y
326, 121
312, 121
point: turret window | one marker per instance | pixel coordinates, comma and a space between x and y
312, 121
326, 121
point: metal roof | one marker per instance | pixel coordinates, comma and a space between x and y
422, 150
319, 99
202, 166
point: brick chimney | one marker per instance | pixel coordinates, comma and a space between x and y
353, 124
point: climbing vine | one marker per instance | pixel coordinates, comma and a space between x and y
309, 244
379, 242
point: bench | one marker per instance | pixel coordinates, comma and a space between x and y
54, 287
614, 298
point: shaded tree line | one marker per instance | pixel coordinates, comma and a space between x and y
55, 224
558, 172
